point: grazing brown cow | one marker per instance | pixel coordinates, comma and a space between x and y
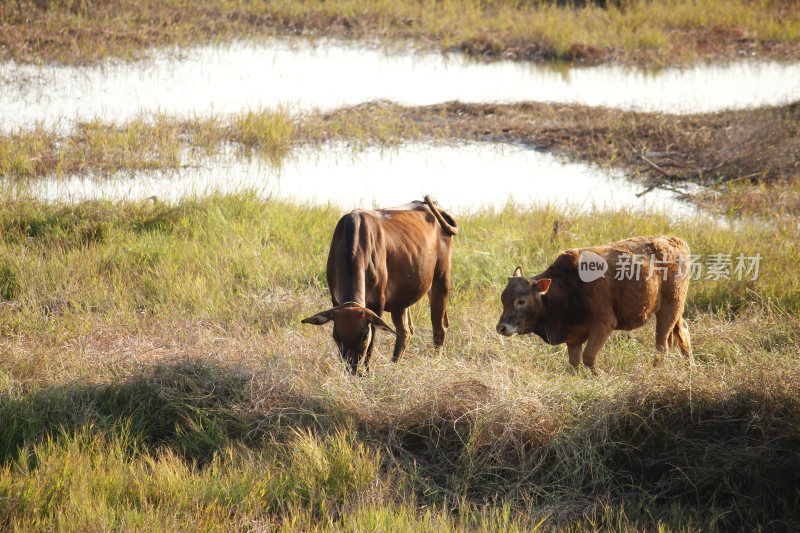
589, 292
387, 260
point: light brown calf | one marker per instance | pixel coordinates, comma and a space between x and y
589, 292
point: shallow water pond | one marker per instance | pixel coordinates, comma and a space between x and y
463, 177
327, 74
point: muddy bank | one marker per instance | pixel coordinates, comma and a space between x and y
752, 157
758, 145
753, 145
748, 160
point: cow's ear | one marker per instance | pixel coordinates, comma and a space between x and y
320, 318
542, 285
517, 272
378, 322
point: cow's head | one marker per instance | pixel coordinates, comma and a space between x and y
353, 330
522, 304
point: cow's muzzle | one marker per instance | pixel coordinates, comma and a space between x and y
506, 330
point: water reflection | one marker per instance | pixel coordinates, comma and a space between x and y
464, 177
328, 74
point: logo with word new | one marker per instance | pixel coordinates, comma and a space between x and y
591, 266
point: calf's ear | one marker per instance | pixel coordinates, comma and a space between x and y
517, 272
320, 318
542, 285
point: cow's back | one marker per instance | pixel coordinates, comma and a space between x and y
417, 252
395, 252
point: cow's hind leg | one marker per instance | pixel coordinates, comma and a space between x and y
438, 297
404, 328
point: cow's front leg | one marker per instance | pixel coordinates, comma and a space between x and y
373, 331
574, 351
403, 327
598, 336
378, 310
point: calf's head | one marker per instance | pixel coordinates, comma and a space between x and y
353, 330
522, 304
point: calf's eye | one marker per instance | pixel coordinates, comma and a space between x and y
520, 303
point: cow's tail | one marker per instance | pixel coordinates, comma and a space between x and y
680, 334
447, 223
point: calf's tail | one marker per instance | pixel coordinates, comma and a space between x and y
681, 335
446, 221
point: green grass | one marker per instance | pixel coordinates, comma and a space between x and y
151, 142
208, 257
638, 31
155, 376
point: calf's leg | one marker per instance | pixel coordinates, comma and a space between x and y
671, 329
665, 322
598, 335
574, 351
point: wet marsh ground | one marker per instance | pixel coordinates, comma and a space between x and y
749, 158
155, 374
